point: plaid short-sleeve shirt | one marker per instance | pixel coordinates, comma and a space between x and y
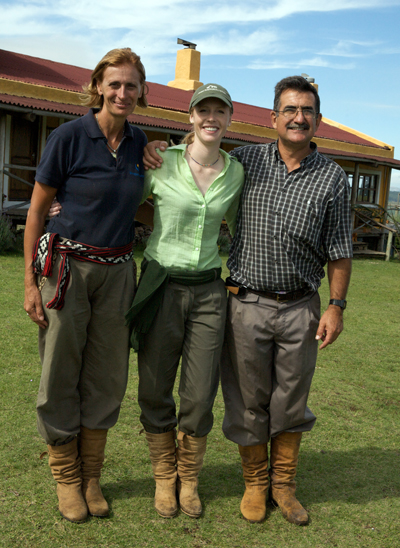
289, 224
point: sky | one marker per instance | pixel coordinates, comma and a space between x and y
350, 47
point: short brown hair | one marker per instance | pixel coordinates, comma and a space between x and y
296, 83
113, 58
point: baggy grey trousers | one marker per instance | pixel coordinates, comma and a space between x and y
267, 364
190, 324
84, 350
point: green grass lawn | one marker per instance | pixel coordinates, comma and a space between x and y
349, 470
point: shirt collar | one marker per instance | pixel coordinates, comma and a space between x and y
224, 154
310, 158
92, 128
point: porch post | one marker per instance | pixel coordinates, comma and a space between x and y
354, 190
2, 156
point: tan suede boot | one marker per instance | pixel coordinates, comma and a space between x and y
91, 450
65, 466
163, 461
255, 473
190, 454
284, 457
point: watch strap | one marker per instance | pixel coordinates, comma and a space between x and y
339, 302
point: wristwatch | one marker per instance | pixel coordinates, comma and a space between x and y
338, 302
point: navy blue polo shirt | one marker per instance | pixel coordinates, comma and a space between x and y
98, 193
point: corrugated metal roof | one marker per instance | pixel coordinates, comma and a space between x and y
355, 156
33, 70
42, 105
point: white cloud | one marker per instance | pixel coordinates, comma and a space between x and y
297, 64
81, 31
173, 18
235, 42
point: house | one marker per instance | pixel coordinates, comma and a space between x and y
37, 95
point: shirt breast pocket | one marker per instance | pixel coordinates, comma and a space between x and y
306, 222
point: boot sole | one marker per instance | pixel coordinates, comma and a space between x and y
74, 520
294, 522
254, 520
191, 515
165, 516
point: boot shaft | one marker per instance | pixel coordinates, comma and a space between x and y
91, 449
284, 457
255, 464
190, 454
162, 449
65, 463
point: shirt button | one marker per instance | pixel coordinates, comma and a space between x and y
203, 205
199, 226
197, 248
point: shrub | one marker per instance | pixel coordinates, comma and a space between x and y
10, 240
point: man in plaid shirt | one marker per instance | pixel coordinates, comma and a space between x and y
294, 218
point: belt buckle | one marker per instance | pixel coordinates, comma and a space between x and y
280, 298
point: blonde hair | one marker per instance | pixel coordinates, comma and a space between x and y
188, 138
113, 58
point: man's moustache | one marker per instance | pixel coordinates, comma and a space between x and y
298, 126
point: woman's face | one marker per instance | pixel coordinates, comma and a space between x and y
210, 119
120, 89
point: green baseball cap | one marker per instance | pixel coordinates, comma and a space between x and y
211, 90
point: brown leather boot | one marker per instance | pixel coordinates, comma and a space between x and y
163, 461
91, 450
284, 457
65, 466
190, 454
255, 473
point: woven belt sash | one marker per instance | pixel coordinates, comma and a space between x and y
48, 246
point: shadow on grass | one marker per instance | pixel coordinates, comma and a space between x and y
359, 476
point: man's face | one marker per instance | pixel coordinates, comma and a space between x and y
297, 127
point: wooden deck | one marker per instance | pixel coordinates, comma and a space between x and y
371, 254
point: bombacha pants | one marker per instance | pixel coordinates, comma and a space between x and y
189, 324
267, 366
84, 350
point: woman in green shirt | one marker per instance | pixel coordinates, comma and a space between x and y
197, 185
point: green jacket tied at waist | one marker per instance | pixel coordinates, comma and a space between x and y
153, 281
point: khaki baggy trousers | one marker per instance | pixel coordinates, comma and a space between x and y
190, 324
84, 350
267, 364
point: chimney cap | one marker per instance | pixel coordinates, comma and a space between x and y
308, 78
189, 45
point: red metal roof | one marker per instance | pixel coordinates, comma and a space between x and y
355, 156
33, 70
41, 104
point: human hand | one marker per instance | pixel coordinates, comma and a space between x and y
330, 325
151, 159
55, 208
33, 305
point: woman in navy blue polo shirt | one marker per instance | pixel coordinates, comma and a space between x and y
94, 165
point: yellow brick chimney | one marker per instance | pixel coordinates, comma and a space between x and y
187, 69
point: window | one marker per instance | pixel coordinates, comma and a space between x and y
367, 191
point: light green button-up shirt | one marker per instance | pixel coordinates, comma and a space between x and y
186, 223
